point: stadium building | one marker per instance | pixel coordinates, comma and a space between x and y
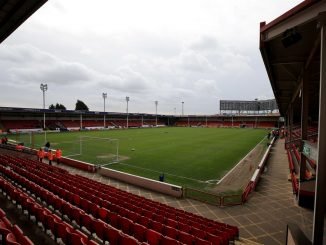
77, 202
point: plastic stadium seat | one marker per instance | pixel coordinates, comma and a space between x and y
99, 227
76, 200
159, 218
168, 241
184, 227
76, 215
133, 216
4, 230
153, 237
147, 213
139, 232
125, 224
87, 222
111, 235
102, 213
127, 240
198, 233
11, 240
18, 233
84, 205
60, 230
2, 213
199, 241
144, 221
93, 209
170, 232
113, 219
185, 238
156, 226
171, 223
77, 239
216, 239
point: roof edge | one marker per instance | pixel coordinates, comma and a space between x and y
295, 10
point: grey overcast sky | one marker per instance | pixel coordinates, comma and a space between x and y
196, 51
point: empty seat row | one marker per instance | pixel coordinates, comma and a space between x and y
50, 222
10, 233
87, 197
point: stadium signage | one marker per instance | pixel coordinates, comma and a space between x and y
309, 150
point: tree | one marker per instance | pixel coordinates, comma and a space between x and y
81, 106
60, 106
57, 106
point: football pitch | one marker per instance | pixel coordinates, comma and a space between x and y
186, 156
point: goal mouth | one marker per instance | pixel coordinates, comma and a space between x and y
96, 150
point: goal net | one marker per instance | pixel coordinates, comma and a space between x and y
96, 150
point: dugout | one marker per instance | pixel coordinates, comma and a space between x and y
293, 48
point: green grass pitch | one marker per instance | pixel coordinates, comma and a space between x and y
187, 156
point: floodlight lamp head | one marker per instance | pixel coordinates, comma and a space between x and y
127, 98
43, 87
156, 102
105, 95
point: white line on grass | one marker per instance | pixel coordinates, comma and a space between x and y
239, 162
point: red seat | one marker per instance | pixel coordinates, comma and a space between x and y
170, 232
113, 219
147, 214
184, 227
93, 209
169, 241
185, 238
198, 233
153, 237
199, 241
84, 205
139, 232
159, 218
60, 230
156, 226
171, 223
111, 235
128, 240
99, 227
76, 215
102, 214
144, 221
216, 239
87, 222
4, 230
11, 239
125, 224
133, 216
2, 213
76, 200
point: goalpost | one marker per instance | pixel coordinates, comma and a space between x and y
96, 150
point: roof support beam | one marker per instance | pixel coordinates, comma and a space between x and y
306, 67
320, 197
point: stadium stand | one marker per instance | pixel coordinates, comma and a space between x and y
111, 213
10, 233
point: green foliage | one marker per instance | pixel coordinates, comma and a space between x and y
57, 106
81, 106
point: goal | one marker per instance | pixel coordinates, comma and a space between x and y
96, 150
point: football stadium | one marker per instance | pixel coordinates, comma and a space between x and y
252, 173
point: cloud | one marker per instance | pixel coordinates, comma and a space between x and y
204, 51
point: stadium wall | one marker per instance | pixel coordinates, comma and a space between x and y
165, 188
